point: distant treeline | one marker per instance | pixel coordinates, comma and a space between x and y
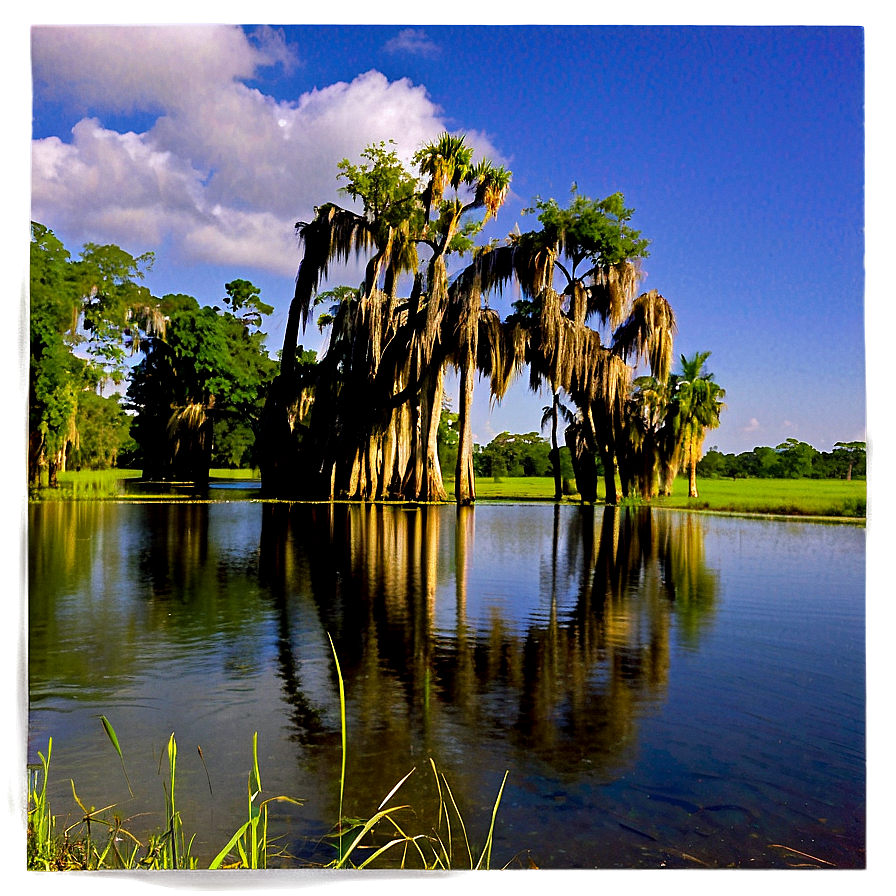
789, 460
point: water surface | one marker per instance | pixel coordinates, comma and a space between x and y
665, 689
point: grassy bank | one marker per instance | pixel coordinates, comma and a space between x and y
788, 497
86, 485
791, 497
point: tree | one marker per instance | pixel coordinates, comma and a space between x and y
854, 454
448, 437
103, 432
116, 310
591, 249
695, 407
211, 366
93, 306
551, 416
374, 423
795, 459
510, 454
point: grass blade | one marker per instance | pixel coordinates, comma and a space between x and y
113, 737
391, 793
369, 824
216, 862
460, 818
206, 769
342, 723
255, 762
487, 849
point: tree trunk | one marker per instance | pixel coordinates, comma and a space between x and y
555, 449
611, 491
692, 478
433, 489
583, 466
464, 481
35, 457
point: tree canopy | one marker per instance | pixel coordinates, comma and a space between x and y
211, 369
89, 315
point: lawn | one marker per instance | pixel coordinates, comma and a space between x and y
814, 497
804, 497
791, 497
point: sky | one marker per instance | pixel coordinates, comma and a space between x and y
741, 150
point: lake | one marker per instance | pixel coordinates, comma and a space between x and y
664, 689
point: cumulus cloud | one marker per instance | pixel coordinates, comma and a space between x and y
413, 41
225, 170
752, 425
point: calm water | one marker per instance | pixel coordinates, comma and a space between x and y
664, 689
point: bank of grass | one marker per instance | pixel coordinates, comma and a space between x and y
778, 497
86, 485
249, 475
784, 497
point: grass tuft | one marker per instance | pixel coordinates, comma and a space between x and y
358, 842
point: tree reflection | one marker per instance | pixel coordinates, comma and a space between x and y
567, 684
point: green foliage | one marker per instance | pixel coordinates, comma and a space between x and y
448, 438
516, 455
592, 230
112, 303
336, 299
244, 296
791, 459
385, 188
211, 361
94, 304
103, 432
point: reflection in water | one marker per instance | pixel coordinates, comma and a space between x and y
565, 684
587, 650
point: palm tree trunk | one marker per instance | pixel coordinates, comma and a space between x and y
464, 482
583, 466
555, 448
433, 489
692, 477
611, 491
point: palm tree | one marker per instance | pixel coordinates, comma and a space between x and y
695, 407
552, 415
590, 248
374, 425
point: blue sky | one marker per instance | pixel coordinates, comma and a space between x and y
740, 149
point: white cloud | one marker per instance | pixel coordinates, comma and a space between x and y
121, 68
413, 41
225, 171
752, 425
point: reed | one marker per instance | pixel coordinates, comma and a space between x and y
250, 846
432, 850
358, 841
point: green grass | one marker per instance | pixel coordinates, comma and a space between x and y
522, 488
234, 474
86, 485
790, 497
98, 839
